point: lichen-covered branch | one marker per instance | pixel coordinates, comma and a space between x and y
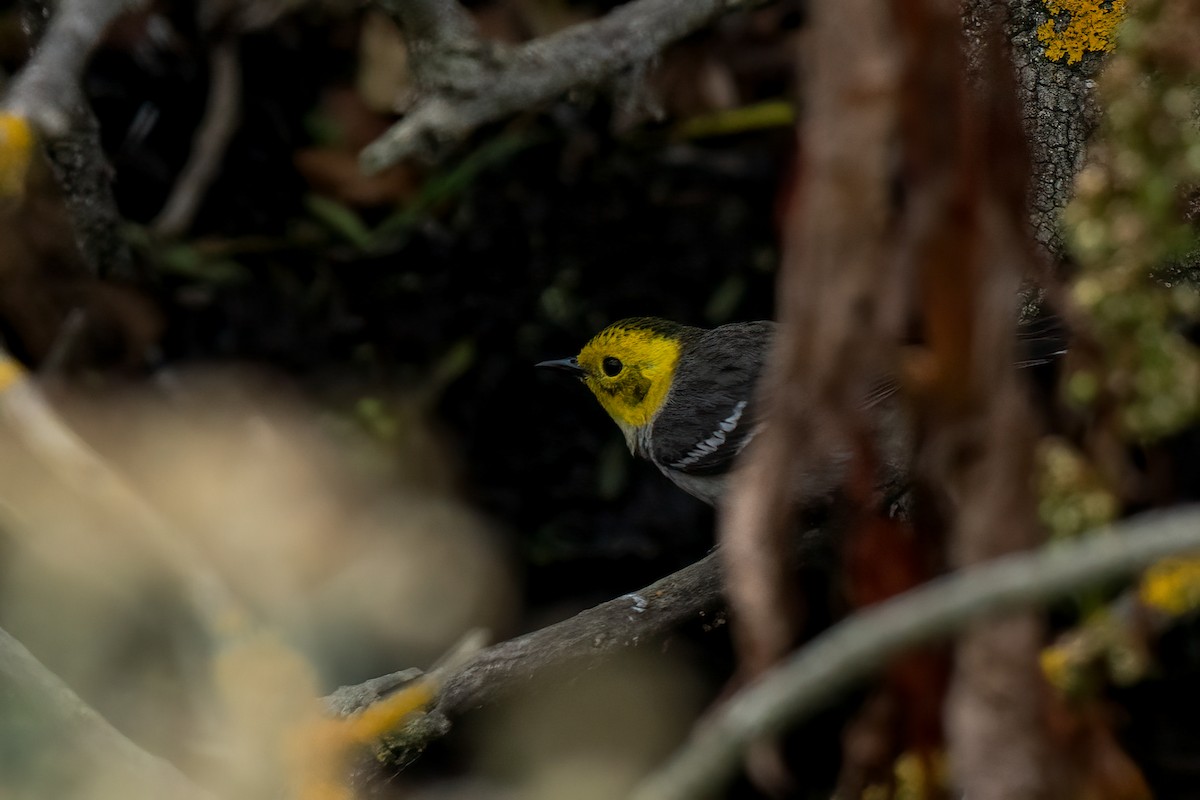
46, 93
866, 642
38, 710
488, 84
1058, 107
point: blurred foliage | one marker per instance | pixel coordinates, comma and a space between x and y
1132, 382
1072, 494
1172, 586
1105, 648
1125, 226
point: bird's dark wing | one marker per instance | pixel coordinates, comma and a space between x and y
712, 410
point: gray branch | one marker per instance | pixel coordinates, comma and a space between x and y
221, 116
638, 618
1059, 108
628, 621
432, 23
486, 85
47, 93
38, 710
864, 643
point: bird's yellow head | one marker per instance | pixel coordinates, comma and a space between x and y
629, 366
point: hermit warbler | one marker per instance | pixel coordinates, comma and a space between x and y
683, 396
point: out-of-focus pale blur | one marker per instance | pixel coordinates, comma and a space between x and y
589, 735
345, 564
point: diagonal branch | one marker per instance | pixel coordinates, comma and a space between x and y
496, 83
633, 619
222, 113
47, 94
431, 23
864, 643
34, 700
46, 91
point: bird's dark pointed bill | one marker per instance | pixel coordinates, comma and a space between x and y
566, 364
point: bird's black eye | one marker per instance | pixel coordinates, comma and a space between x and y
611, 366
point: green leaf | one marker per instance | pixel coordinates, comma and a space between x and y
340, 219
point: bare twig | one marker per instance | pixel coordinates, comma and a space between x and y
65, 343
221, 115
431, 24
638, 618
46, 91
634, 619
35, 699
864, 643
491, 84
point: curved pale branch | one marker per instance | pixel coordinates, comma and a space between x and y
34, 698
862, 644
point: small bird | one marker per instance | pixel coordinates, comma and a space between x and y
683, 396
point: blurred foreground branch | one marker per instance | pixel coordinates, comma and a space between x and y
465, 83
833, 298
39, 708
26, 412
864, 643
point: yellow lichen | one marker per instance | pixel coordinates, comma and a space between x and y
16, 149
11, 372
320, 749
1076, 27
1104, 646
1172, 586
915, 775
1057, 662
